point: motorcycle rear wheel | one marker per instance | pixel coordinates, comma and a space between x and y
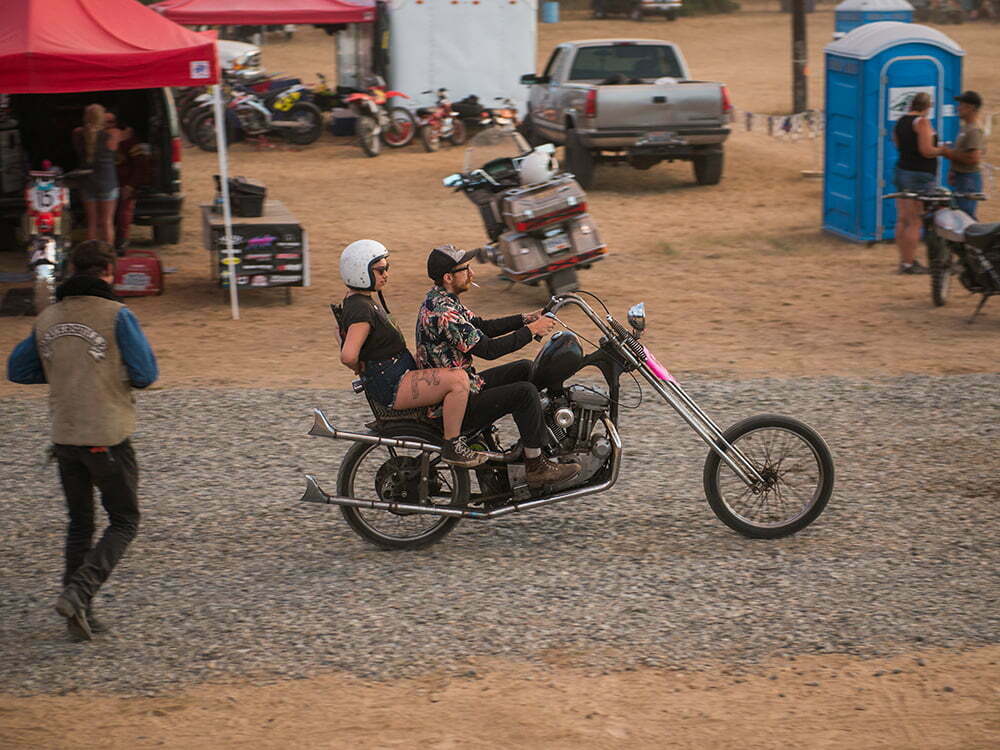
203, 131
430, 136
794, 460
458, 132
367, 136
401, 129
373, 472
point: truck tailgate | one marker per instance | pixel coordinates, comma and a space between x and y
650, 105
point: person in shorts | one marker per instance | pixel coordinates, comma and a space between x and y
95, 144
916, 172
373, 347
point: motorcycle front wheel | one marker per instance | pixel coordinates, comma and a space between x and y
203, 131
401, 128
797, 468
430, 136
377, 473
458, 133
310, 122
941, 270
368, 135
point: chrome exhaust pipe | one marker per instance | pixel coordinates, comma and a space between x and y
322, 428
315, 494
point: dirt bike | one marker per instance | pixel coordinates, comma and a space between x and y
766, 477
379, 123
439, 122
47, 227
958, 246
286, 111
539, 233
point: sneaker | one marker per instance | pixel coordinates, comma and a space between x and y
912, 269
539, 471
96, 626
458, 453
69, 606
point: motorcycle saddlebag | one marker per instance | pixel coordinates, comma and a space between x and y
521, 253
138, 273
536, 206
582, 231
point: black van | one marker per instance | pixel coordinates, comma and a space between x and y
45, 123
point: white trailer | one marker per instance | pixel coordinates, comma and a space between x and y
479, 47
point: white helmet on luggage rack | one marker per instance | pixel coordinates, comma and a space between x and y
356, 263
538, 166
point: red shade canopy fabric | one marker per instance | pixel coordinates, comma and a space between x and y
56, 46
266, 12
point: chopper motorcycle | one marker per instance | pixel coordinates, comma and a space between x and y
535, 217
958, 246
767, 476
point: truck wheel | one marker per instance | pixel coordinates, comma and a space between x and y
708, 168
526, 129
579, 160
167, 234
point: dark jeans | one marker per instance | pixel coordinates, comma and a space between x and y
508, 391
115, 473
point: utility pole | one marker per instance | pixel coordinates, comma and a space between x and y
799, 57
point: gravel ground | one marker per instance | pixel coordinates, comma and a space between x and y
232, 577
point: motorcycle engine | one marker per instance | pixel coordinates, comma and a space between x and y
251, 120
573, 422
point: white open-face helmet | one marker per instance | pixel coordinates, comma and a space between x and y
538, 166
356, 263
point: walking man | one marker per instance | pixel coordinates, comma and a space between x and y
91, 351
965, 175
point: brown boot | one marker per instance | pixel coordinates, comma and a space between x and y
540, 470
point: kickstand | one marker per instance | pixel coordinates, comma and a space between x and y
978, 308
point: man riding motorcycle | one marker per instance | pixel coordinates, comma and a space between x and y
449, 335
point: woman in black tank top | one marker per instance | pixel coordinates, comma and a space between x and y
372, 346
916, 171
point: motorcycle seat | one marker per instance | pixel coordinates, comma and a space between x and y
983, 235
425, 111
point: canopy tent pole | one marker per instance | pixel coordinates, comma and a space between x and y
227, 214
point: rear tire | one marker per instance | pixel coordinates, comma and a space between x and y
458, 132
203, 132
401, 129
430, 136
579, 160
708, 168
367, 135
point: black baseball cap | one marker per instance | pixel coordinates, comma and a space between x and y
970, 97
444, 258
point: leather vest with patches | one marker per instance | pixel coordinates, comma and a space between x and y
90, 397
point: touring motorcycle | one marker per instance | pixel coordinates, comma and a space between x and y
765, 477
535, 216
958, 246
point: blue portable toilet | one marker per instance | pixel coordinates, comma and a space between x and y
853, 13
872, 73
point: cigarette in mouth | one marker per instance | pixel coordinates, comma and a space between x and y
475, 285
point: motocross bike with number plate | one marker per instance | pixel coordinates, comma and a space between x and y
767, 476
378, 122
440, 122
286, 111
47, 227
538, 228
958, 246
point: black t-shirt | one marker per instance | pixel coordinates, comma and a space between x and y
910, 157
384, 339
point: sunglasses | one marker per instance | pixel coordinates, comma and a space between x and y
380, 269
459, 270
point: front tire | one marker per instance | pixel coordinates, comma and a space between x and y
579, 160
310, 120
939, 262
373, 472
430, 136
203, 132
798, 470
368, 135
458, 134
401, 128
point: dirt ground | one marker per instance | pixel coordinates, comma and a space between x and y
739, 281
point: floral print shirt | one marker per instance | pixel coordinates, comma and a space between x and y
446, 335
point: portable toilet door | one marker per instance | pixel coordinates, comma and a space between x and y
872, 73
853, 13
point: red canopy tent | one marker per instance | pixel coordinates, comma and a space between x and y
266, 12
54, 46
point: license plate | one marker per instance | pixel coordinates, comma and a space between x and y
556, 243
658, 137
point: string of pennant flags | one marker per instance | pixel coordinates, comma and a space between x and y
807, 124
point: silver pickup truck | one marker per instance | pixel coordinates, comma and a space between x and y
627, 100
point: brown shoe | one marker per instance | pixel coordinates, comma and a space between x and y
69, 606
540, 470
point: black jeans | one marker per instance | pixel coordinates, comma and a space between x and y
115, 473
508, 391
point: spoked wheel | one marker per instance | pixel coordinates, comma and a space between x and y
203, 131
941, 270
458, 132
373, 472
401, 128
368, 135
310, 123
430, 136
798, 478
